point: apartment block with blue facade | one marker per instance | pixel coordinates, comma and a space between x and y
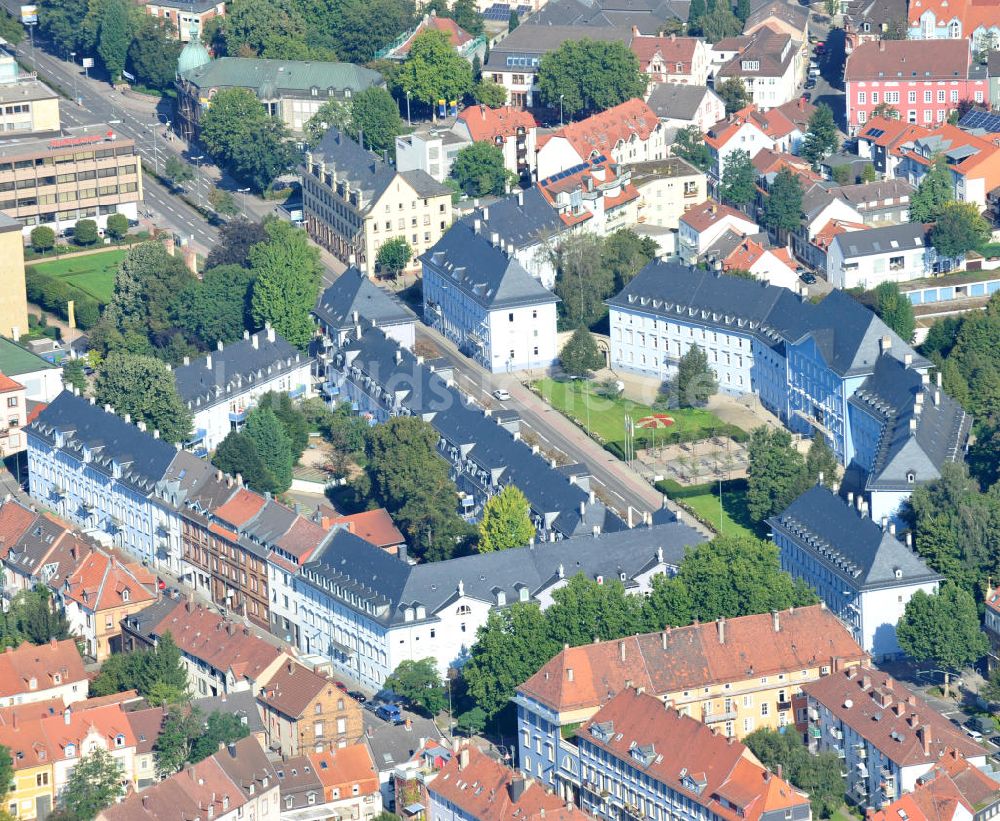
482, 299
640, 758
857, 566
811, 364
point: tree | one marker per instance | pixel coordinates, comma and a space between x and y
237, 454
404, 474
818, 775
222, 202
142, 387
868, 173
114, 37
60, 23
821, 460
217, 308
393, 256
152, 55
690, 145
720, 22
783, 209
43, 238
583, 610
375, 114
472, 722
580, 354
776, 473
934, 192
842, 174
287, 271
895, 310
942, 628
434, 70
220, 728
479, 170
589, 76
743, 10
272, 446
293, 420
420, 684
583, 281
359, 28
821, 137
506, 521
85, 232
177, 171
697, 10
510, 648
117, 226
733, 94
489, 94
172, 748
94, 783
625, 253
33, 617
739, 178
74, 375
332, 114
960, 228
695, 382
274, 29
236, 238
513, 21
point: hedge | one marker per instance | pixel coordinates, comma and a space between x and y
674, 490
53, 293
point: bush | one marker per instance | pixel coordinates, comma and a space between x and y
117, 226
43, 238
87, 310
53, 294
85, 232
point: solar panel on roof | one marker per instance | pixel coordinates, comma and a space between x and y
981, 119
876, 132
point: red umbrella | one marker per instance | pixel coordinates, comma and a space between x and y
654, 421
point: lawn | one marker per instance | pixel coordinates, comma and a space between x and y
735, 520
93, 274
607, 416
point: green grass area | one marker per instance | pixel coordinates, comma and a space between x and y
606, 417
732, 519
94, 274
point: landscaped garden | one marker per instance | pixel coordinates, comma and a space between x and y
94, 274
729, 519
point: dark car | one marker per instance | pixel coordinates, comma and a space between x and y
807, 277
361, 698
390, 712
806, 97
811, 83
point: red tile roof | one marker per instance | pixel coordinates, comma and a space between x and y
72, 727
457, 36
694, 656
302, 538
293, 688
241, 507
374, 526
489, 123
7, 384
345, 766
600, 133
855, 696
834, 228
908, 59
889, 132
597, 176
101, 582
736, 786
41, 663
672, 50
702, 216
972, 13
724, 130
15, 519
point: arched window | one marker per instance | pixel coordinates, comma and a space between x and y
463, 610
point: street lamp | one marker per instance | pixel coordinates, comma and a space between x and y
156, 152
408, 121
243, 191
560, 109
197, 161
72, 56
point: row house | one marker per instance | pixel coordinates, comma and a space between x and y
33, 673
953, 790
865, 259
923, 85
821, 206
768, 63
640, 758
673, 59
879, 203
972, 21
814, 365
886, 735
13, 406
682, 106
340, 783
367, 611
625, 134
734, 675
859, 568
220, 388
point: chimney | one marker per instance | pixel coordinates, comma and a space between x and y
515, 789
621, 650
486, 213
187, 360
885, 344
924, 734
269, 330
881, 45
776, 623
569, 674
907, 359
255, 341
219, 346
520, 197
68, 716
722, 630
463, 758
850, 498
208, 361
477, 225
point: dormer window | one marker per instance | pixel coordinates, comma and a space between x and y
32, 683
57, 678
70, 750
125, 594
119, 740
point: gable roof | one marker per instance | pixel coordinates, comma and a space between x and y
704, 215
677, 101
771, 51
908, 59
374, 526
486, 124
457, 36
522, 219
268, 78
353, 292
240, 703
346, 765
101, 582
15, 520
40, 663
532, 40
794, 15
906, 236
292, 689
672, 49
600, 134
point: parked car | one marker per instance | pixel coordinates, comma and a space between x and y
390, 712
361, 698
975, 735
806, 96
502, 394
807, 277
810, 83
340, 686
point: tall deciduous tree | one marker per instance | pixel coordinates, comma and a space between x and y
272, 446
237, 454
626, 253
697, 10
287, 271
506, 521
935, 191
739, 178
895, 310
695, 382
783, 210
332, 114
580, 354
236, 238
479, 170
274, 29
216, 309
434, 70
172, 748
818, 775
152, 55
375, 114
143, 387
359, 28
114, 37
821, 138
293, 420
733, 94
220, 728
420, 683
583, 281
690, 145
489, 94
942, 628
393, 256
589, 76
94, 784
584, 610
821, 460
720, 22
960, 228
776, 474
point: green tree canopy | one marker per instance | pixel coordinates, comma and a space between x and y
490, 94
359, 28
506, 521
237, 454
589, 76
739, 178
720, 22
117, 226
783, 209
287, 271
33, 617
733, 94
158, 674
236, 238
274, 29
818, 775
217, 307
695, 382
114, 37
689, 144
776, 474
85, 232
143, 387
375, 114
393, 256
580, 354
434, 70
960, 228
822, 460
177, 170
152, 54
420, 684
479, 170
332, 114
625, 253
935, 191
292, 417
696, 12
172, 748
219, 728
583, 281
584, 610
43, 238
895, 310
272, 445
821, 137
94, 784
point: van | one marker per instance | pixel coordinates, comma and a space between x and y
814, 71
389, 712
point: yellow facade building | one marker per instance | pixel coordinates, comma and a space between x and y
13, 299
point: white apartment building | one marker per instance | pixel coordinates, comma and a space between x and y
865, 259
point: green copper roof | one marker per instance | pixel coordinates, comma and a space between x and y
15, 360
194, 54
267, 77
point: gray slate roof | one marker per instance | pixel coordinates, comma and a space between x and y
392, 586
676, 101
241, 703
647, 15
392, 745
234, 369
523, 219
483, 271
529, 40
270, 78
354, 292
144, 461
861, 194
905, 237
852, 547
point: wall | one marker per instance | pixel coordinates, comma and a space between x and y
13, 301
402, 213
522, 338
863, 96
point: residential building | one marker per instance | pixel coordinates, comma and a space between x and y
858, 567
220, 388
738, 132
667, 188
878, 203
953, 790
767, 61
991, 625
13, 296
513, 61
290, 90
974, 22
485, 302
84, 172
391, 745
510, 129
465, 44
42, 379
924, 85
736, 675
816, 251
648, 17
869, 20
301, 791
673, 59
410, 778
781, 17
887, 736
242, 704
637, 757
146, 726
354, 298
681, 106
180, 16
774, 266
431, 149
865, 259
304, 712
15, 417
832, 367
625, 134
349, 780
498, 792
31, 673
27, 105
880, 138
597, 196
73, 732
821, 206
702, 224
433, 610
353, 202
375, 527
31, 794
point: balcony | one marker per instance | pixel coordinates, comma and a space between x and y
722, 715
238, 416
296, 392
784, 705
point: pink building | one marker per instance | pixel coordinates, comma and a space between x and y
924, 84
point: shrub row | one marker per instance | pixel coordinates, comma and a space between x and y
53, 293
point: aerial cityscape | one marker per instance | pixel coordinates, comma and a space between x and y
457, 410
